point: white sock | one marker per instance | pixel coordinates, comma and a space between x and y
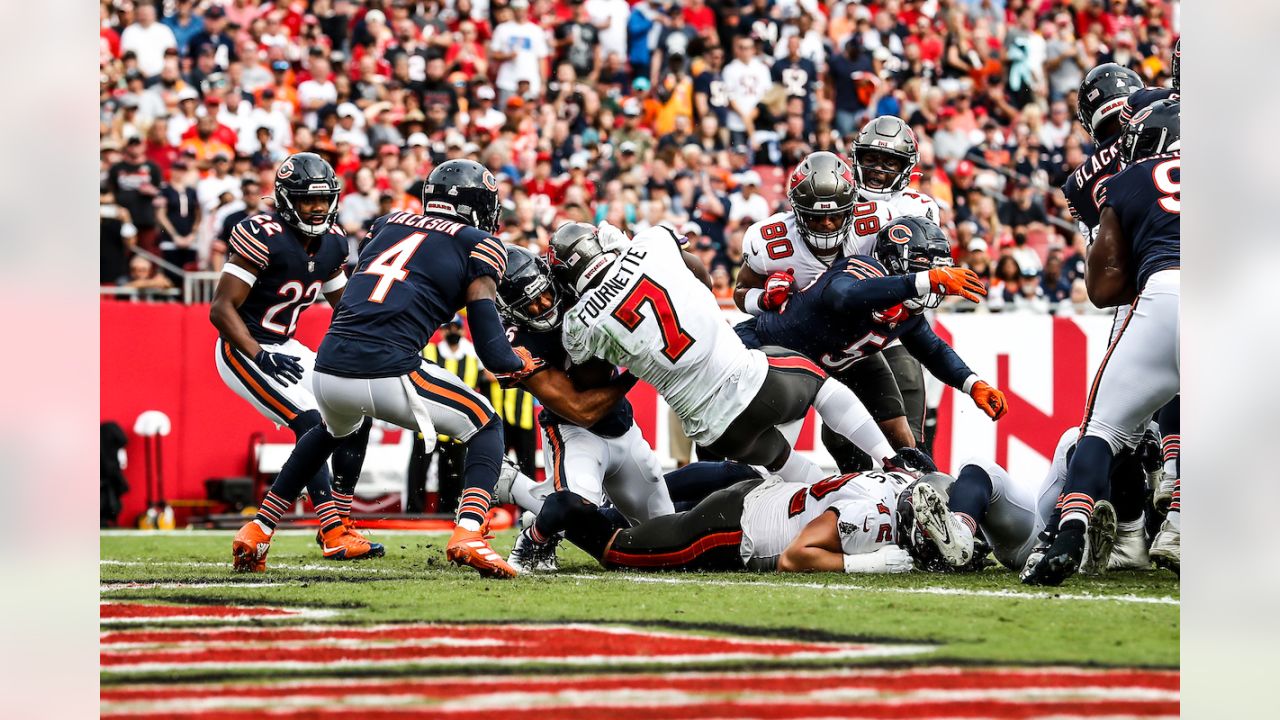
469, 524
799, 469
268, 530
1132, 525
1175, 519
841, 411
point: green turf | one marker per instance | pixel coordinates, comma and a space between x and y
413, 583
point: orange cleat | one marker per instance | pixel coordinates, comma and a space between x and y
249, 549
375, 549
343, 544
469, 547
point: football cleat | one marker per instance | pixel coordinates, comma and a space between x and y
507, 474
376, 550
1163, 495
1033, 559
1061, 560
249, 549
471, 547
1130, 552
951, 536
1166, 549
339, 543
528, 556
1101, 539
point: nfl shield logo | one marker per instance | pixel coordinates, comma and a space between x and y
311, 266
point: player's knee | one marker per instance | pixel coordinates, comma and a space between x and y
304, 422
1115, 438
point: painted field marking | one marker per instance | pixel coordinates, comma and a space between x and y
1004, 594
117, 587
117, 613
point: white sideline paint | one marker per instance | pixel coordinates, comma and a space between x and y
113, 587
1009, 594
344, 567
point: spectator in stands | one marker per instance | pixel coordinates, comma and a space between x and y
143, 276
178, 214
148, 40
134, 182
1029, 296
116, 236
520, 48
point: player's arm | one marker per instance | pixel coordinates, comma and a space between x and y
334, 287
487, 333
818, 549
1108, 276
748, 280
556, 391
237, 280
941, 360
850, 293
696, 267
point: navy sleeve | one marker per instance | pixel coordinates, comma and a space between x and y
543, 346
492, 346
488, 258
849, 294
937, 356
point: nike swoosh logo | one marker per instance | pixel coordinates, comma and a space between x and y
328, 549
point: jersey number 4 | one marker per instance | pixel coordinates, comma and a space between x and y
675, 341
389, 266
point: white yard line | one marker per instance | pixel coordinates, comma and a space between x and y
343, 567
114, 587
842, 587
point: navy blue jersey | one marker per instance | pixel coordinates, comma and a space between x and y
547, 347
1081, 188
1147, 197
850, 312
291, 273
411, 277
1142, 98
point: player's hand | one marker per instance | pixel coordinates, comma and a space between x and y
990, 400
777, 288
957, 281
284, 368
912, 461
529, 366
895, 559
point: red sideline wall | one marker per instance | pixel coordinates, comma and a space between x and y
160, 357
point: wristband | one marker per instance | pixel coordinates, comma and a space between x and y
238, 272
752, 302
969, 382
923, 286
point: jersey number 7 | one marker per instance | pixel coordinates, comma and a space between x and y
675, 341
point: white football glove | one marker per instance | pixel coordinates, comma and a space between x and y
888, 559
612, 239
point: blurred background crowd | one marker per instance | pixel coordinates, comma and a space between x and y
687, 113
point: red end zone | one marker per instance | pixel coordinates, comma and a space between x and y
474, 693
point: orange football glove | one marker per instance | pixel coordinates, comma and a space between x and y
990, 400
531, 364
957, 281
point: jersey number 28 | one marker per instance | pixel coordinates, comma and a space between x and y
675, 341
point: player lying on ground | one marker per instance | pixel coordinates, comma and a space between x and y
640, 307
872, 522
414, 273
1135, 260
864, 303
279, 264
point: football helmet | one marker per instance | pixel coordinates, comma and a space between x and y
577, 255
821, 189
306, 175
1102, 95
526, 278
936, 540
884, 155
1152, 130
912, 244
465, 189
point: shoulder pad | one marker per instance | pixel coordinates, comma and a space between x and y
250, 238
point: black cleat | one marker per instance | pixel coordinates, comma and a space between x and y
1061, 560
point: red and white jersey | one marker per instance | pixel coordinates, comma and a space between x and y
652, 316
862, 238
774, 244
865, 505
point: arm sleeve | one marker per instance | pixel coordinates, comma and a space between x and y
937, 356
848, 294
492, 346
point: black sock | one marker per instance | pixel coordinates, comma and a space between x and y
1128, 487
697, 480
305, 466
578, 518
970, 496
347, 461
1088, 480
480, 472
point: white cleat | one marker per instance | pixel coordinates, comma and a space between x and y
1130, 552
1166, 549
951, 536
1163, 495
528, 556
1100, 539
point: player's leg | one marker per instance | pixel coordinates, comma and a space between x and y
692, 483
347, 462
987, 498
1129, 498
568, 514
1171, 445
459, 412
1137, 376
633, 479
909, 378
708, 537
872, 380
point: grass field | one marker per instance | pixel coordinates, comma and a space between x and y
337, 621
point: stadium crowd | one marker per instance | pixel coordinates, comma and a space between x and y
687, 113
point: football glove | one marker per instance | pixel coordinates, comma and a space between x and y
284, 368
611, 238
530, 366
957, 281
777, 288
990, 400
912, 461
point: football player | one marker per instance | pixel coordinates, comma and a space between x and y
414, 273
639, 307
1134, 260
872, 522
280, 263
860, 305
1101, 99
